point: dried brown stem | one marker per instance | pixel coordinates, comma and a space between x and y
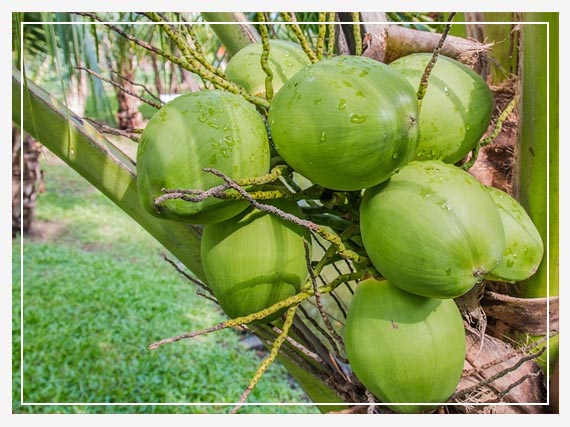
504, 393
318, 299
372, 400
464, 392
262, 207
192, 279
121, 88
297, 345
321, 330
188, 335
105, 128
504, 358
143, 87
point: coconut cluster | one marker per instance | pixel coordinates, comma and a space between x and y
353, 126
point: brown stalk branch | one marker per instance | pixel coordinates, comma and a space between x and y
318, 327
523, 350
121, 88
318, 299
504, 393
105, 128
192, 279
297, 345
188, 335
464, 392
290, 352
143, 87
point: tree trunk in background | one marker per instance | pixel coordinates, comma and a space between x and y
26, 184
128, 115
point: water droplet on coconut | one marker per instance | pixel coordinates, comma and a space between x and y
395, 156
446, 91
358, 119
225, 153
448, 271
446, 206
342, 104
323, 136
510, 263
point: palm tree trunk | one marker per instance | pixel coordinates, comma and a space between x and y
128, 115
27, 183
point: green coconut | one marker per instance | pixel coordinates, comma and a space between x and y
456, 110
523, 245
285, 60
206, 129
432, 229
404, 348
254, 260
345, 123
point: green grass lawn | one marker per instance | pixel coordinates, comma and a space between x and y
96, 293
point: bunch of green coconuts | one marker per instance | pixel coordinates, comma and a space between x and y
349, 124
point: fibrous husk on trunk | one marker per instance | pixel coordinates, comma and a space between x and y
498, 378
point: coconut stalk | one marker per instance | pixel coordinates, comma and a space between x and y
233, 36
95, 158
536, 172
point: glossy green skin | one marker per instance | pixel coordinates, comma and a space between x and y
432, 230
345, 123
213, 129
404, 348
456, 110
285, 60
523, 245
254, 260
